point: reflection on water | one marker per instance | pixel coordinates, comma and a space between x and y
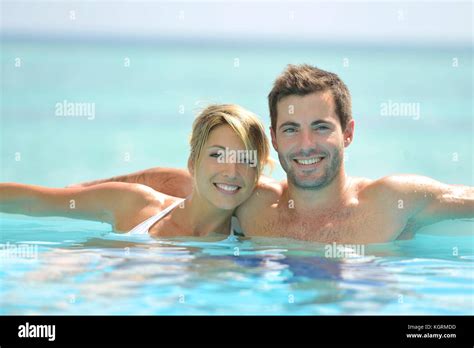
87, 271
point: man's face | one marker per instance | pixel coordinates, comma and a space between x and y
309, 139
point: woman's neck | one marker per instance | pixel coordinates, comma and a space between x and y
200, 218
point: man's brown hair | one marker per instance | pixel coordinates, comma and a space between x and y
306, 79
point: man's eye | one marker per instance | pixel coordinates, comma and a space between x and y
289, 130
322, 128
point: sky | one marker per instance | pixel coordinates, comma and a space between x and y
334, 21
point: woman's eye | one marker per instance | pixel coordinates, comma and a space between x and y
215, 155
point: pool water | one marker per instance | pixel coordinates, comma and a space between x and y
81, 267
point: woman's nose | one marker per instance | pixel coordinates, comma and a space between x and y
230, 170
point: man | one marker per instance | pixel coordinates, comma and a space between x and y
311, 125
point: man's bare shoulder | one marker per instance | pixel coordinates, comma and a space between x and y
267, 193
269, 190
400, 184
408, 192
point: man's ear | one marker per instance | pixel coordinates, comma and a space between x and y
349, 133
274, 142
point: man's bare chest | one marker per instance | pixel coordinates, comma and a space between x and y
349, 225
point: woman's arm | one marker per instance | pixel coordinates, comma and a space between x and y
171, 181
104, 202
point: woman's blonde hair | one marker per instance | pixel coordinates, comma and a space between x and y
246, 125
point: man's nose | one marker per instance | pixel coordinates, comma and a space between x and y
307, 139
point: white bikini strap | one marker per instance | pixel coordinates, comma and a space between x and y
145, 225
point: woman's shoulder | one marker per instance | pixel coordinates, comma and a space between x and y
146, 203
134, 195
159, 199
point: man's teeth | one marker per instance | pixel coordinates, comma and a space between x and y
310, 160
229, 188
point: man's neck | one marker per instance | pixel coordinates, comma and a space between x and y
327, 197
202, 218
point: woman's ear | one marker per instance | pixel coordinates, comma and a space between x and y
190, 166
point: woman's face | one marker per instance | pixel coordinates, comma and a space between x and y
219, 179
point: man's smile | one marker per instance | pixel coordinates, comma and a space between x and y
308, 162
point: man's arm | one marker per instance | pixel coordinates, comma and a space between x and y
429, 201
171, 181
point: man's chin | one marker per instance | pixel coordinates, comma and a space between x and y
308, 186
307, 183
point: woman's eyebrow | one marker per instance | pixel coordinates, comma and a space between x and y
218, 146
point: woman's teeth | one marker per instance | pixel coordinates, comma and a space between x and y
229, 188
309, 161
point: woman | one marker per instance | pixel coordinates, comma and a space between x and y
219, 185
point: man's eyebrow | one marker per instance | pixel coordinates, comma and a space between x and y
289, 123
294, 124
318, 122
